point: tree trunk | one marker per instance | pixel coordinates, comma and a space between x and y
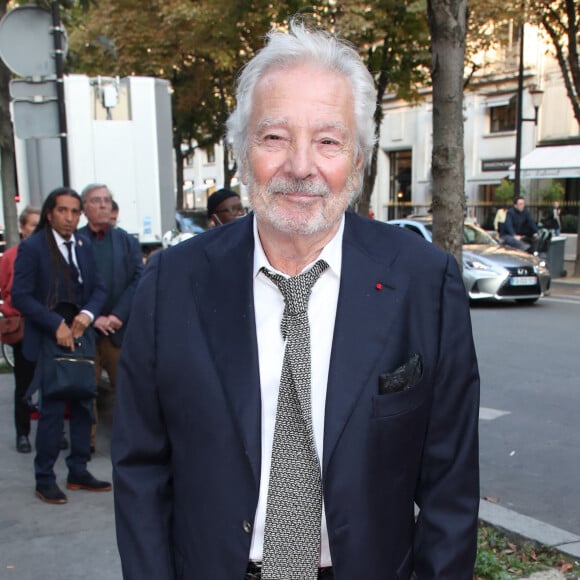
370, 176
178, 168
447, 23
7, 155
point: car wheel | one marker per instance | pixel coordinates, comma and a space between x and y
527, 300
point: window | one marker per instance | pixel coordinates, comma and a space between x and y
401, 179
210, 153
502, 118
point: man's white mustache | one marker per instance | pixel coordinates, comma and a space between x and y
298, 186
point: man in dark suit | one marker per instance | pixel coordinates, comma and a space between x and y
119, 262
55, 267
241, 401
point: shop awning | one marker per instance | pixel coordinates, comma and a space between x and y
550, 162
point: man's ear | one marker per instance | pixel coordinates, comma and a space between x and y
357, 174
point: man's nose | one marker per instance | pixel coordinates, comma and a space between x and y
301, 160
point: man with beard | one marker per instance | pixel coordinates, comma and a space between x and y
59, 292
293, 384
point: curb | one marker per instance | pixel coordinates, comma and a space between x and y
528, 528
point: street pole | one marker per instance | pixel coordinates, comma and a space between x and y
519, 115
59, 65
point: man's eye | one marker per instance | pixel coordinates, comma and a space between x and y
272, 137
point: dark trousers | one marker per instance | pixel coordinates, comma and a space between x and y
49, 435
23, 373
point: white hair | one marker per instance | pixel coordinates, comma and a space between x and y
304, 45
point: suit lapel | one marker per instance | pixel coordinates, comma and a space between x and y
364, 320
228, 318
371, 286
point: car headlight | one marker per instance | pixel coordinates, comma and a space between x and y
477, 265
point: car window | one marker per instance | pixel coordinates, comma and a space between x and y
191, 221
413, 229
473, 235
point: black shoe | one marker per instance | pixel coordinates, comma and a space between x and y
50, 493
23, 444
87, 482
64, 442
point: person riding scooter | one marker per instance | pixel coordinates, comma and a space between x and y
519, 229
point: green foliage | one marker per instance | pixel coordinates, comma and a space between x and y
200, 47
553, 192
559, 21
504, 192
393, 39
569, 224
501, 558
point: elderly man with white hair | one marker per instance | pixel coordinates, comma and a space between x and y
294, 383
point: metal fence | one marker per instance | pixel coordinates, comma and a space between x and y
484, 212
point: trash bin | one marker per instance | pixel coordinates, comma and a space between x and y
555, 256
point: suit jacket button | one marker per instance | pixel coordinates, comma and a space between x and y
247, 526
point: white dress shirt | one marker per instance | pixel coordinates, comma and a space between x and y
60, 243
269, 307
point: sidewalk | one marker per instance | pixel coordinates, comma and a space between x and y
76, 541
568, 281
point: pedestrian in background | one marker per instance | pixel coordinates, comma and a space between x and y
293, 384
499, 220
224, 206
114, 220
118, 258
55, 270
519, 229
23, 368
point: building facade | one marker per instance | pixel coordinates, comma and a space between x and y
550, 149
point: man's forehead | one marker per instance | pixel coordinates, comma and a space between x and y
98, 191
67, 201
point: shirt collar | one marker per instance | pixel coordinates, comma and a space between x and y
331, 253
61, 241
99, 234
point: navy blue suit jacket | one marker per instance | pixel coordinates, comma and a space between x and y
186, 437
33, 276
127, 269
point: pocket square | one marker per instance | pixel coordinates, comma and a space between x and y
403, 377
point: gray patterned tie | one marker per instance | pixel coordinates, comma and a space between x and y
294, 506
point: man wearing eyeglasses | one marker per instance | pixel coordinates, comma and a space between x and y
224, 206
119, 262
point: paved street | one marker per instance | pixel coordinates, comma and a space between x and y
530, 368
